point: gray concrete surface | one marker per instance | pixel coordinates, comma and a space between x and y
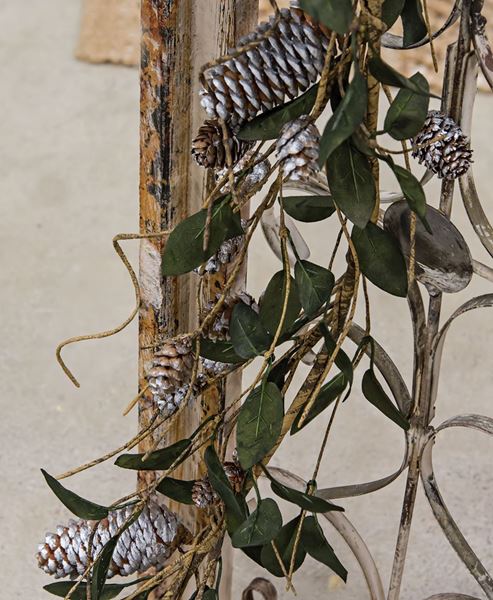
68, 183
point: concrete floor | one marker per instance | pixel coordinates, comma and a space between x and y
68, 183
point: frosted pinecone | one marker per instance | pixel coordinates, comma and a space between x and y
214, 368
220, 326
449, 157
286, 62
224, 256
298, 149
203, 494
209, 150
146, 543
170, 373
235, 474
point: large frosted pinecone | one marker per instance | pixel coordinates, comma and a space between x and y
286, 62
220, 326
298, 149
146, 543
449, 157
170, 372
209, 150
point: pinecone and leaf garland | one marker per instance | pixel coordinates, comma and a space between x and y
209, 150
298, 148
450, 156
148, 542
286, 61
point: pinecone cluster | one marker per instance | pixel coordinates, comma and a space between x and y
170, 373
203, 494
146, 543
449, 157
286, 61
298, 149
209, 149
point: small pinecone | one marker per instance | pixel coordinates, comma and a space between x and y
225, 255
449, 157
220, 327
203, 494
213, 368
170, 372
298, 148
146, 543
281, 66
236, 475
208, 147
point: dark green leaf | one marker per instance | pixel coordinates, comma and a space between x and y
342, 361
304, 501
386, 74
184, 250
408, 111
220, 351
259, 424
272, 304
160, 460
176, 489
381, 259
261, 527
254, 553
346, 118
317, 546
210, 595
84, 509
391, 11
235, 510
351, 183
268, 125
413, 22
329, 392
284, 542
309, 209
413, 192
248, 334
314, 285
109, 591
376, 395
278, 373
335, 14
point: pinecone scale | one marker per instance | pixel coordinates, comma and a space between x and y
298, 149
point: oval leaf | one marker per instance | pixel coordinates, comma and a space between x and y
413, 192
272, 304
160, 460
220, 351
387, 75
284, 542
248, 335
184, 249
381, 259
177, 489
304, 501
268, 125
351, 183
84, 509
309, 209
391, 11
261, 527
335, 14
342, 361
408, 111
314, 285
109, 591
317, 546
346, 118
259, 424
376, 395
413, 22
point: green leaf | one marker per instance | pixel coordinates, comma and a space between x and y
268, 125
220, 351
284, 542
413, 22
314, 285
376, 395
317, 546
254, 553
235, 510
329, 392
259, 424
342, 361
351, 183
381, 259
335, 14
346, 118
177, 489
248, 334
387, 75
272, 303
391, 11
413, 192
408, 111
109, 591
309, 209
160, 460
210, 595
278, 372
261, 527
305, 501
103, 561
84, 509
184, 250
